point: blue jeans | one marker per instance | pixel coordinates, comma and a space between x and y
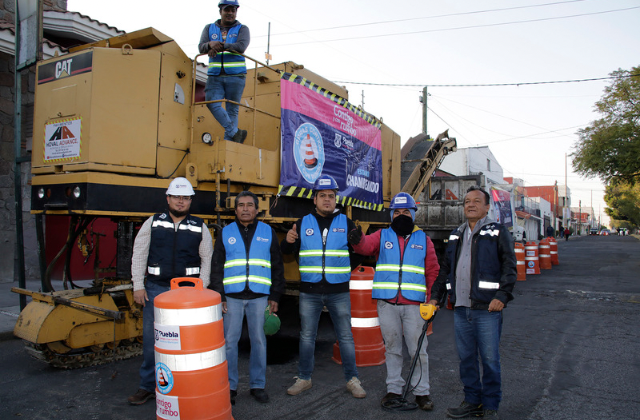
225, 87
148, 368
236, 311
478, 333
339, 306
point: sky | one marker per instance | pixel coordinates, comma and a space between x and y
509, 74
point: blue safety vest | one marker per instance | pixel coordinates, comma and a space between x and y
252, 267
174, 253
407, 273
330, 259
233, 63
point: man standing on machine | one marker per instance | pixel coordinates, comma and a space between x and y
406, 268
478, 272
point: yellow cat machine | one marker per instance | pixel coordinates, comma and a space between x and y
116, 120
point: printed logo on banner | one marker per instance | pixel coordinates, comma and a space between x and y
167, 407
231, 240
531, 264
62, 140
309, 232
308, 152
164, 378
531, 253
388, 245
414, 246
167, 337
338, 230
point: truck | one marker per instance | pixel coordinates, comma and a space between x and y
117, 119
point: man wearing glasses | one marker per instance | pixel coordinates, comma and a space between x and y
168, 245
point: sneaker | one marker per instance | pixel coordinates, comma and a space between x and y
141, 397
234, 394
299, 386
239, 136
465, 410
491, 414
259, 395
355, 388
389, 397
424, 402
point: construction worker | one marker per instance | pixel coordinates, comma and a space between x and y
320, 240
478, 273
168, 245
224, 41
248, 272
406, 268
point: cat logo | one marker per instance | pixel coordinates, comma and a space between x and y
63, 68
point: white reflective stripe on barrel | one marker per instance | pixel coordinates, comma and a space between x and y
545, 256
531, 258
520, 262
361, 284
365, 322
191, 362
554, 252
545, 246
520, 250
186, 317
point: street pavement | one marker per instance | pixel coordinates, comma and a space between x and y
570, 350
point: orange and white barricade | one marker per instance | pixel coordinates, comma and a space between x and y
544, 253
522, 271
192, 381
531, 258
365, 325
553, 247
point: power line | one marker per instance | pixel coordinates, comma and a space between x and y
474, 12
490, 84
462, 27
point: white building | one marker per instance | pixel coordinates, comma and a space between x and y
474, 161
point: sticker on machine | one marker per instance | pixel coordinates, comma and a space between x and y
167, 337
164, 378
167, 407
62, 140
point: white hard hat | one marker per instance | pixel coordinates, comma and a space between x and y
180, 186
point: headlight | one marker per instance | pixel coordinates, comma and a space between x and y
206, 138
76, 192
41, 193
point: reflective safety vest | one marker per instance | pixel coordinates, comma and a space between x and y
247, 268
233, 63
174, 253
330, 259
394, 273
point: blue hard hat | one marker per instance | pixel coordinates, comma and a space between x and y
325, 182
228, 3
403, 200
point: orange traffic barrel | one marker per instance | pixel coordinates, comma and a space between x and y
365, 325
522, 271
553, 247
531, 258
192, 378
544, 252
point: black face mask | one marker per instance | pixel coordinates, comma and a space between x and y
402, 225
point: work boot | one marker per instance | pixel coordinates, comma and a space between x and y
424, 402
491, 414
300, 386
355, 388
259, 395
389, 397
233, 395
239, 136
141, 397
465, 410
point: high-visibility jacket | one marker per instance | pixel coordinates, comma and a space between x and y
406, 273
247, 267
330, 259
233, 63
174, 253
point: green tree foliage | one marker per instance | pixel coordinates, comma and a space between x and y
623, 200
609, 148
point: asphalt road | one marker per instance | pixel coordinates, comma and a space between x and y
570, 350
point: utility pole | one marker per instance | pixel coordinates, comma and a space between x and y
579, 215
267, 55
423, 100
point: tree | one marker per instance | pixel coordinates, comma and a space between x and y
623, 200
609, 148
